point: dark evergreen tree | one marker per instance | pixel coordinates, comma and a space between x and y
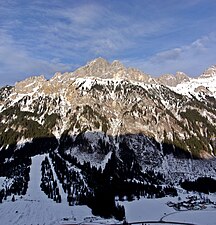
13, 199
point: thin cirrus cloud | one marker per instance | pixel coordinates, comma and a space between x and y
190, 58
97, 32
39, 37
16, 62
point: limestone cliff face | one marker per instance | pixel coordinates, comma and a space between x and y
210, 72
173, 80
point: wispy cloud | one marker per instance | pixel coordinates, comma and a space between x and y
41, 37
95, 29
16, 61
187, 58
81, 15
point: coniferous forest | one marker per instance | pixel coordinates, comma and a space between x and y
99, 188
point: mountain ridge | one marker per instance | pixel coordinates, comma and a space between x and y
117, 95
117, 70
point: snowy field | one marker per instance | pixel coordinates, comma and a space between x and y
203, 217
36, 209
149, 211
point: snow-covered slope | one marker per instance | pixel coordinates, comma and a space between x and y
197, 87
35, 208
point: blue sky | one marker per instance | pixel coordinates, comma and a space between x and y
156, 36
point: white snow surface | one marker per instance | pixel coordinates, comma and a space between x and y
2, 180
203, 217
146, 209
156, 211
188, 88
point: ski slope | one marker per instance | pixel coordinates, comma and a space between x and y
36, 209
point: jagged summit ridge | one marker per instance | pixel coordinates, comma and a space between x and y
101, 70
173, 80
116, 70
210, 72
96, 69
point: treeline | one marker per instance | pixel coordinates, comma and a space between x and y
202, 184
72, 183
35, 147
99, 188
86, 185
48, 183
17, 173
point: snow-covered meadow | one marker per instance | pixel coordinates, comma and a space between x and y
149, 211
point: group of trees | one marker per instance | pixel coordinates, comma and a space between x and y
17, 173
97, 188
37, 146
48, 183
202, 184
73, 185
87, 185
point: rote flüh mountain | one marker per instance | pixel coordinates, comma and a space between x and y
106, 131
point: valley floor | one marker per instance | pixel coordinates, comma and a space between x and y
156, 211
36, 209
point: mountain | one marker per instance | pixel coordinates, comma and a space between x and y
210, 72
173, 81
108, 126
200, 87
100, 68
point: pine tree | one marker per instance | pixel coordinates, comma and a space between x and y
1, 195
59, 198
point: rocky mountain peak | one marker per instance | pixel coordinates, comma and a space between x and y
101, 68
117, 64
181, 75
27, 85
96, 68
210, 72
57, 76
137, 75
173, 80
98, 63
